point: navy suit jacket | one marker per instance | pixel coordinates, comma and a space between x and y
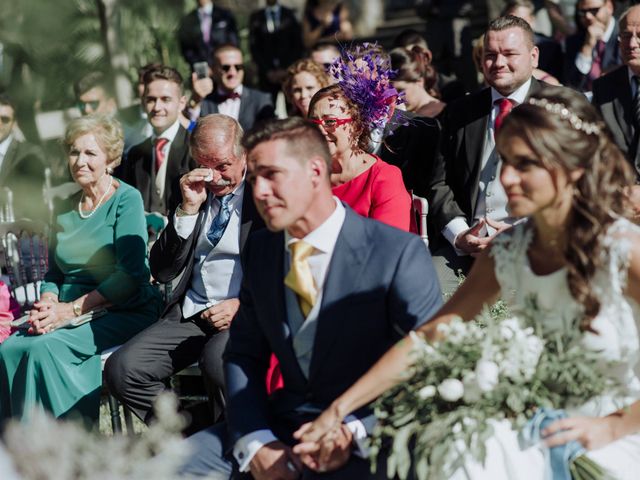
380, 284
610, 59
223, 30
254, 106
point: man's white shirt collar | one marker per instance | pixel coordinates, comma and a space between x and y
609, 30
170, 133
207, 9
325, 236
518, 95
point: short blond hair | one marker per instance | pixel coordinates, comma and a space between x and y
107, 131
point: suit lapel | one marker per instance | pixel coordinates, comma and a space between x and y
245, 103
145, 171
176, 153
474, 137
344, 272
622, 106
249, 214
8, 163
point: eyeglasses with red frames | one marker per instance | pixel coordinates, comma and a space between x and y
331, 123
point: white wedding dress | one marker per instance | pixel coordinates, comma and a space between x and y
617, 324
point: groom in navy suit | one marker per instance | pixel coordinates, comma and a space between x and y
328, 292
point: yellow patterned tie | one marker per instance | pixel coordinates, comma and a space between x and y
299, 278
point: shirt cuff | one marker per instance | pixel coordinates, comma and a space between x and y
451, 231
583, 64
359, 431
184, 225
246, 447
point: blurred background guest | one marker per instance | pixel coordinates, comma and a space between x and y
325, 53
304, 78
98, 260
21, 168
448, 86
275, 42
325, 20
203, 30
417, 78
370, 186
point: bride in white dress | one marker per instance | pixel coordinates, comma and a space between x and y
577, 255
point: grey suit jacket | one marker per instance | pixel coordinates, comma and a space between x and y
612, 97
22, 170
254, 106
380, 284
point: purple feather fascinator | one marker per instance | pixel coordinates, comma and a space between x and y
364, 75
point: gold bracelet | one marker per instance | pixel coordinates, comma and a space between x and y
181, 213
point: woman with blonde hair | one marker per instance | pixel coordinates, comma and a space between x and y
304, 78
97, 263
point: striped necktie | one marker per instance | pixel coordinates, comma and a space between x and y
220, 222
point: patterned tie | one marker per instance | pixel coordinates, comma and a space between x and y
299, 278
159, 151
219, 224
596, 64
205, 26
504, 107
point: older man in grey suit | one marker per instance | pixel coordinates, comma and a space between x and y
325, 290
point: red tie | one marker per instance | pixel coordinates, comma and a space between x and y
504, 107
159, 150
596, 65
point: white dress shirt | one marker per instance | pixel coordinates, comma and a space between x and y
161, 175
4, 146
231, 106
583, 63
323, 239
492, 200
217, 272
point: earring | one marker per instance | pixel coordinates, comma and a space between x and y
109, 171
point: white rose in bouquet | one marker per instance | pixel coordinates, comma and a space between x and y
487, 375
451, 389
427, 392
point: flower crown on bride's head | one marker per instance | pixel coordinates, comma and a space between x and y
590, 128
364, 75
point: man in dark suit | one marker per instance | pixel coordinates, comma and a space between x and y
328, 292
467, 202
202, 243
204, 29
230, 96
155, 166
593, 49
21, 167
616, 93
275, 41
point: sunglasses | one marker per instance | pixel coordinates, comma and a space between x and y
6, 120
625, 37
226, 68
330, 123
582, 12
93, 104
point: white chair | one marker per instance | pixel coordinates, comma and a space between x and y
420, 209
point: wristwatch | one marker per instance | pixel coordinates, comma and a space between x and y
181, 213
77, 309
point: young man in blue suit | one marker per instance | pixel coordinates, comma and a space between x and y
326, 291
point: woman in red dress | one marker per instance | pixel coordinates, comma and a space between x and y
370, 186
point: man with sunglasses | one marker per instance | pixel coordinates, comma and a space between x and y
21, 166
225, 92
617, 95
593, 50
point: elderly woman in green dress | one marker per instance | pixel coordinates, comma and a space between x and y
97, 260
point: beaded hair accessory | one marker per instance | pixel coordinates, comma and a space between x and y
365, 78
590, 128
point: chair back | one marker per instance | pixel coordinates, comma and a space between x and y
6, 205
24, 257
419, 211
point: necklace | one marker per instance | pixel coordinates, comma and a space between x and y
87, 215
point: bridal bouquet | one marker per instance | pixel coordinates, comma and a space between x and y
484, 370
